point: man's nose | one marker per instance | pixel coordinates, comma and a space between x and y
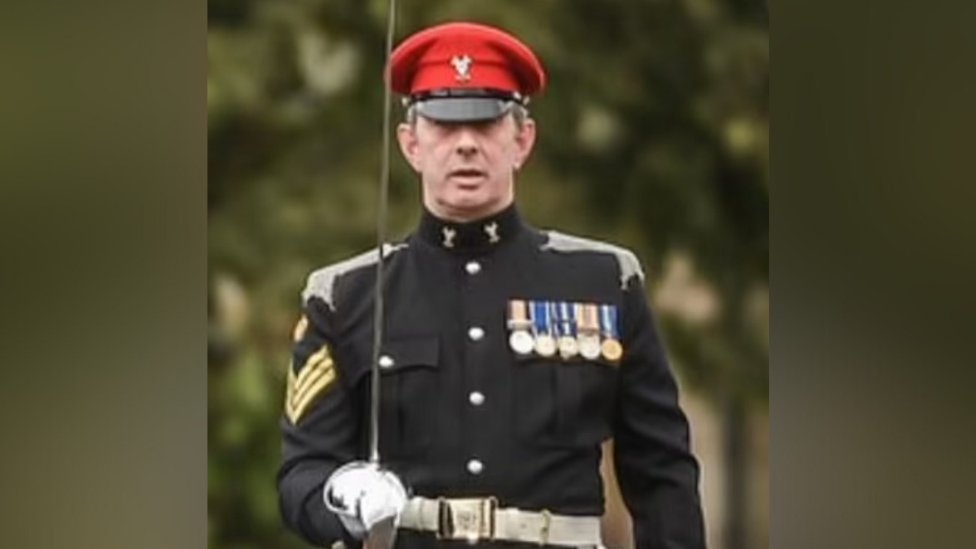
466, 144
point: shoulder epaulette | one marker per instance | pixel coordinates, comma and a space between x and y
321, 283
629, 264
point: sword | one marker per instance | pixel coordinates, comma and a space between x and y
383, 534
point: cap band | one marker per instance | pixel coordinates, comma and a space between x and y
463, 109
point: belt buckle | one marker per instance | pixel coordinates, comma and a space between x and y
470, 519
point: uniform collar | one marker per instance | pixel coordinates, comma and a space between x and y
478, 236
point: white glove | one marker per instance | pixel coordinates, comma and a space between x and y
362, 494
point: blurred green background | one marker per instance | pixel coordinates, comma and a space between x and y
653, 134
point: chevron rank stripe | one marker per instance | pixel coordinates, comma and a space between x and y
315, 376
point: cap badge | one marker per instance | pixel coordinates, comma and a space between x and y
462, 67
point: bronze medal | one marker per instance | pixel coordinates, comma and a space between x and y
612, 350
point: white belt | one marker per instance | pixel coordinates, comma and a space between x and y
474, 519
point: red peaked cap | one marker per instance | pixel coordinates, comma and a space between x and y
460, 71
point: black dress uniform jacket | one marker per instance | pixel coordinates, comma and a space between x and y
461, 415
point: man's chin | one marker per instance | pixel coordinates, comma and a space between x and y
466, 201
467, 209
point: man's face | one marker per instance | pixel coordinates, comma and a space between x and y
467, 170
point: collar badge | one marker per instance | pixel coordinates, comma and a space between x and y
449, 235
491, 230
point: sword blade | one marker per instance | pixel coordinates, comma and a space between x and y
378, 314
382, 535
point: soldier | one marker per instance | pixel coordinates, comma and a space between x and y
510, 353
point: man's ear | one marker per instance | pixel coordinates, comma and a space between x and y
407, 137
525, 140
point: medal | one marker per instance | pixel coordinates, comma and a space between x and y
520, 339
589, 346
567, 343
545, 345
611, 348
568, 347
521, 342
589, 331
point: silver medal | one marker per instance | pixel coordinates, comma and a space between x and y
568, 347
589, 346
521, 342
545, 345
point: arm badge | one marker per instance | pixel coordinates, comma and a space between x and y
309, 382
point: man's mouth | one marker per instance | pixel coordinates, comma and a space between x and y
467, 175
